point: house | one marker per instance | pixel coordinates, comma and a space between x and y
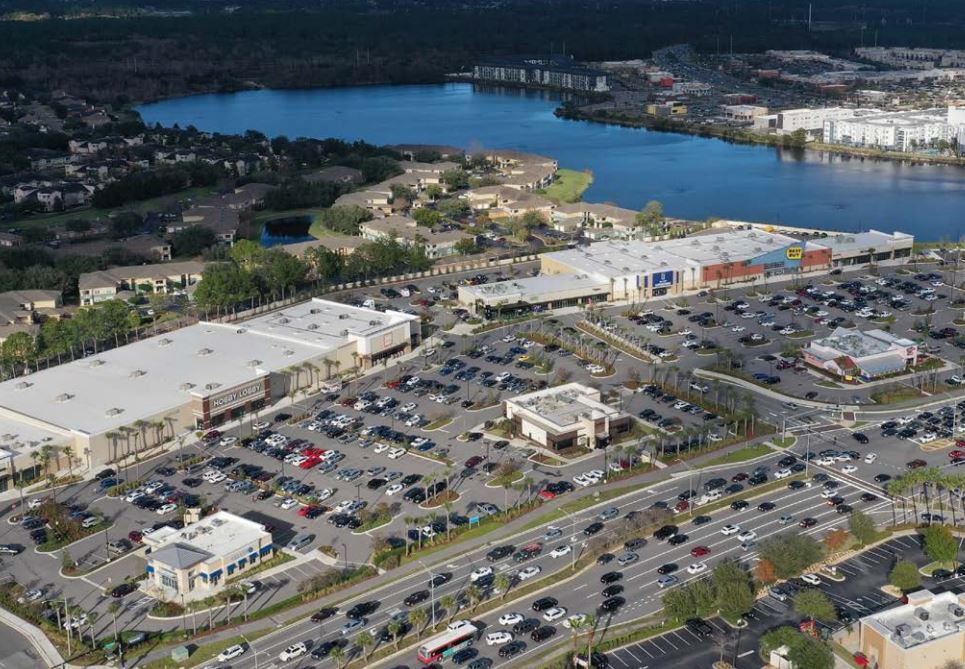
53, 196
122, 282
10, 240
146, 245
436, 244
376, 199
412, 151
335, 174
342, 245
221, 220
25, 310
46, 159
243, 198
427, 174
507, 201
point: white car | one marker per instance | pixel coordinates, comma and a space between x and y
738, 328
727, 530
395, 453
575, 619
583, 480
749, 535
596, 474
261, 425
394, 488
380, 447
528, 573
408, 406
697, 568
289, 503
510, 619
293, 651
216, 477
870, 458
782, 473
479, 573
849, 469
231, 653
166, 509
498, 638
413, 420
322, 495
131, 496
927, 438
229, 440
343, 506
829, 492
555, 613
560, 551
812, 579
457, 625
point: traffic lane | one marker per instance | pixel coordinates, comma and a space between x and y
391, 596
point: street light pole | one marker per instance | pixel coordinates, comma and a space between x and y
432, 592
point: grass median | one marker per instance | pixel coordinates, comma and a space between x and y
600, 496
740, 455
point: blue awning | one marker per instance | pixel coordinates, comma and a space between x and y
253, 557
266, 549
150, 569
215, 574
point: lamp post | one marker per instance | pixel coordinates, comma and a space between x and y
254, 652
432, 592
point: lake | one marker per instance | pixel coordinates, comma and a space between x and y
694, 177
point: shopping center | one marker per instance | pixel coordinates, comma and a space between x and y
194, 378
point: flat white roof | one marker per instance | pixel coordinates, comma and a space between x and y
618, 258
862, 241
515, 290
112, 389
926, 617
563, 406
219, 534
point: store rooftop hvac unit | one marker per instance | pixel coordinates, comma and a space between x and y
921, 614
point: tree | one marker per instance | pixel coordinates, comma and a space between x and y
448, 604
815, 604
224, 285
466, 246
863, 528
791, 553
395, 629
474, 594
811, 653
427, 218
764, 571
455, 179
20, 347
905, 576
365, 641
338, 654
651, 217
732, 585
835, 540
502, 583
940, 544
192, 241
419, 618
345, 220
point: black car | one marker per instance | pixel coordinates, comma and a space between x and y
499, 552
942, 574
605, 558
796, 485
766, 506
122, 590
860, 437
635, 544
326, 647
666, 532
440, 579
166, 471
191, 482
597, 660
700, 520
677, 539
882, 478
668, 568
105, 474
699, 627
592, 528
511, 649
757, 479
524, 626
544, 603
609, 577
611, 604
542, 633
612, 590
868, 497
464, 655
733, 488
361, 610
843, 508
416, 598
739, 505
323, 614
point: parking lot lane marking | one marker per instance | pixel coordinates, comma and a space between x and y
715, 626
644, 649
745, 653
580, 586
692, 634
630, 653
660, 649
616, 658
666, 638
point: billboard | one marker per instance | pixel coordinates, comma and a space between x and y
662, 279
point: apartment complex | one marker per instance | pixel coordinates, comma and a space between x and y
560, 72
123, 282
896, 131
436, 244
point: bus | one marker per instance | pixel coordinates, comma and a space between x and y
443, 646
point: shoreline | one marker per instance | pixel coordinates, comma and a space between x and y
741, 136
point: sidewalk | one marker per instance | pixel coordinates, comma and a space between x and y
46, 651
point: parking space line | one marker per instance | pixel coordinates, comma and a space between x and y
656, 645
644, 649
666, 638
630, 653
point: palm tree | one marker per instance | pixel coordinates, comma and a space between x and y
419, 618
394, 628
475, 596
338, 654
365, 640
69, 453
590, 621
502, 583
576, 625
448, 604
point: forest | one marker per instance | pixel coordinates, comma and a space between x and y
300, 44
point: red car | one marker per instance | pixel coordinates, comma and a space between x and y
737, 478
212, 435
311, 462
681, 506
956, 454
547, 494
699, 551
473, 461
307, 511
135, 537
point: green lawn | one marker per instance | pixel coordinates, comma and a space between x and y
741, 455
155, 204
568, 186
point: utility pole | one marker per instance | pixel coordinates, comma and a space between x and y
809, 17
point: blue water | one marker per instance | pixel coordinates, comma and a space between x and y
286, 230
693, 177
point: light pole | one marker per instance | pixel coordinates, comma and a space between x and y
252, 647
432, 592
